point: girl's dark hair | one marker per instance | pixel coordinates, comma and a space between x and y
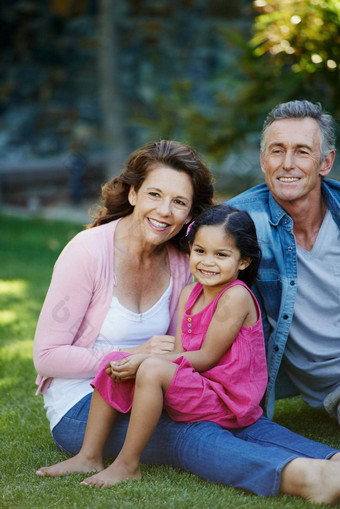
169, 153
239, 225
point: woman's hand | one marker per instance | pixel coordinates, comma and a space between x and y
125, 369
156, 345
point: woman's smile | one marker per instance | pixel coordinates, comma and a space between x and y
158, 225
162, 204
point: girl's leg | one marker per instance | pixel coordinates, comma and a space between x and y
152, 380
315, 480
89, 459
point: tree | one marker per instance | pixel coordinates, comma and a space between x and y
113, 115
291, 51
302, 38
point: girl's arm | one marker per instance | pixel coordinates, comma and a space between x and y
234, 309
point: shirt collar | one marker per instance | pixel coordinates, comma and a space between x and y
276, 211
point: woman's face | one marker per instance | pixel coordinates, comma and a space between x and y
162, 204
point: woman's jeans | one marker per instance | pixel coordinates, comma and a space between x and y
251, 458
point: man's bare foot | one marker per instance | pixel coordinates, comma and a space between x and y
78, 464
112, 475
335, 457
326, 485
315, 480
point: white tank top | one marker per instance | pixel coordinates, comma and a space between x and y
121, 328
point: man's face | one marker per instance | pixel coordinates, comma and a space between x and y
292, 159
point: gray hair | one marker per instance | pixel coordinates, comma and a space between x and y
303, 109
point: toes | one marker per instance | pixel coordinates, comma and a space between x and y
40, 472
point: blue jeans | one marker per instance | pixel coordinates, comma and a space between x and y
251, 458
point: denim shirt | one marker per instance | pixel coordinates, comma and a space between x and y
276, 284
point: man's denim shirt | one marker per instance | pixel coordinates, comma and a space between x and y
276, 283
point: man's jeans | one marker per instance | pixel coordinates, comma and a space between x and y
251, 458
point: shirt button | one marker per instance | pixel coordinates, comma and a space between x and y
292, 283
289, 249
189, 324
189, 331
285, 317
189, 319
276, 348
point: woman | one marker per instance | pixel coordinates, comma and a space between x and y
117, 284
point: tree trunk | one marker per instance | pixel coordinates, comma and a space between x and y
112, 107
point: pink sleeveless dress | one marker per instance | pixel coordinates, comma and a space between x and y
228, 394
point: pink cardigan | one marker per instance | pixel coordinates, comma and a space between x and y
78, 300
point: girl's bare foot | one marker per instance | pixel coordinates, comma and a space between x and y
77, 464
112, 475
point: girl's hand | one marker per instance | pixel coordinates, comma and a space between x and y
156, 345
125, 369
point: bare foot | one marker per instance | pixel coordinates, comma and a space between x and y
319, 480
77, 464
112, 475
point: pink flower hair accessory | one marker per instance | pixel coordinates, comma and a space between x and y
189, 228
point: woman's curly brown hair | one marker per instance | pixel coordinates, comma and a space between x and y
114, 198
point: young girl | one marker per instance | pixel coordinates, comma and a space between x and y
217, 371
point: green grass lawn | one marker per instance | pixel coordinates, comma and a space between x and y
28, 251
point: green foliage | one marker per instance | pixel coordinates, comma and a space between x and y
29, 249
300, 28
303, 37
290, 50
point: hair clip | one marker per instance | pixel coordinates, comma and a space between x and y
189, 228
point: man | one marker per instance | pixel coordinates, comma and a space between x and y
297, 217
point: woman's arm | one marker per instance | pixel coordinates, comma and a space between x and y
68, 313
157, 345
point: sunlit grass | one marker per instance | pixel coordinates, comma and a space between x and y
14, 349
16, 288
28, 252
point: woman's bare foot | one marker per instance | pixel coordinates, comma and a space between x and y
115, 473
79, 464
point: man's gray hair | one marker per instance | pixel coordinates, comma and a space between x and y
303, 109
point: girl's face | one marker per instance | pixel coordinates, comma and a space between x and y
162, 204
214, 257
